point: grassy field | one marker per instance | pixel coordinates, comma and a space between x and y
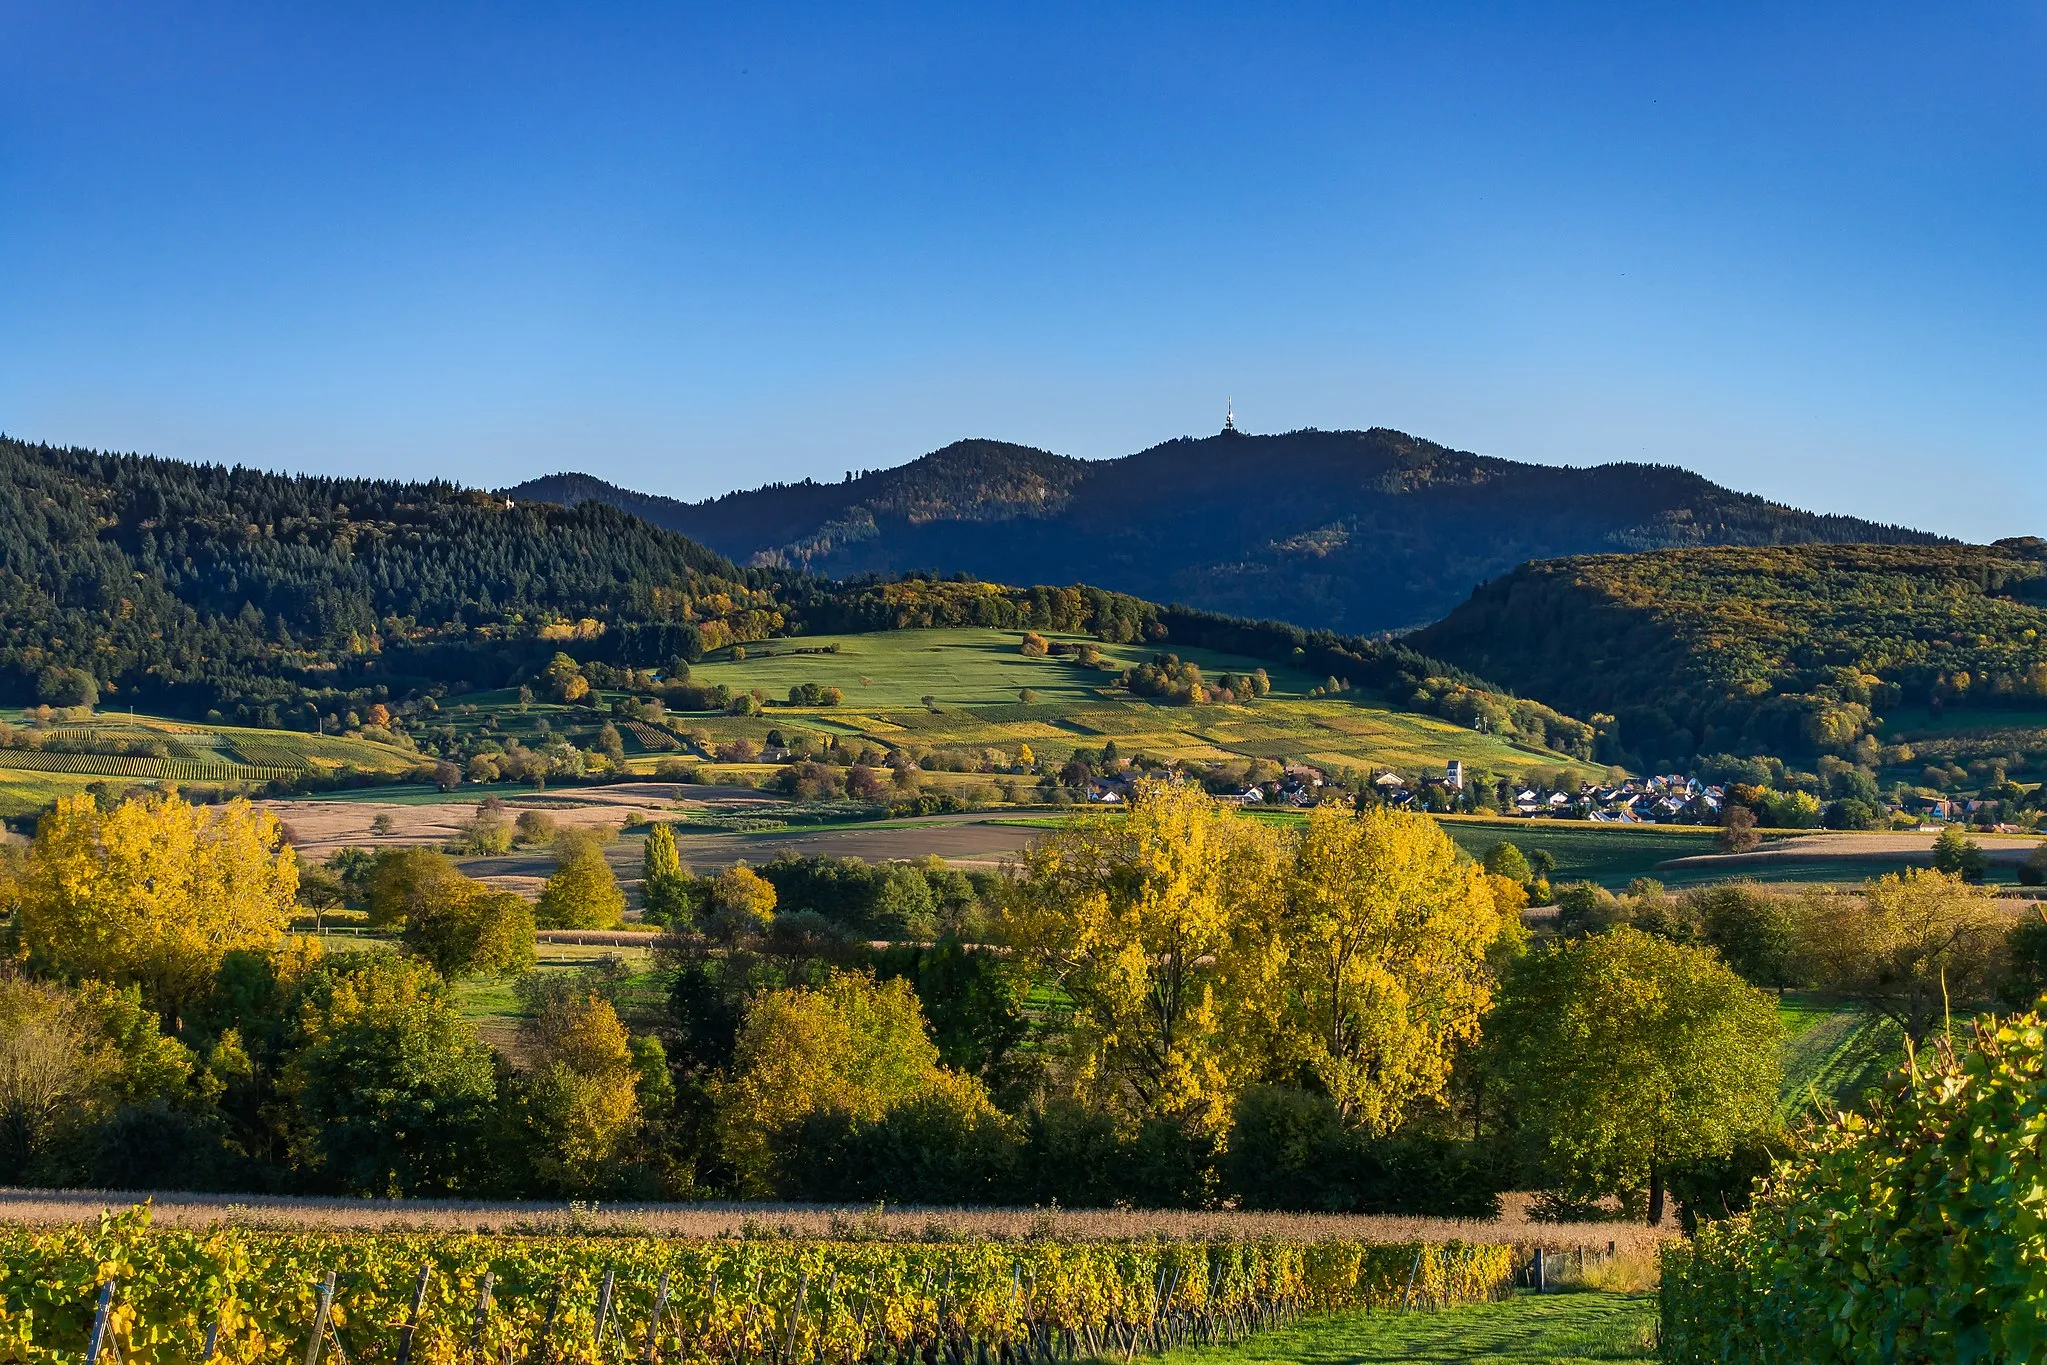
1833, 1054
975, 678
1612, 855
1525, 1328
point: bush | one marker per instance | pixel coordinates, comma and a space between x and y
1912, 1233
1289, 1151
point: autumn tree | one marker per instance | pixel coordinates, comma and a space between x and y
663, 879
1386, 935
408, 883
1906, 945
1157, 924
849, 1047
742, 904
1628, 1057
475, 932
153, 892
580, 1102
1737, 829
583, 893
68, 1058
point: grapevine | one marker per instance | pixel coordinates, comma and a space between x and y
256, 1295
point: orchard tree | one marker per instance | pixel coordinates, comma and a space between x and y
1158, 925
478, 932
1754, 931
1908, 946
152, 893
742, 904
1629, 1057
408, 883
1386, 977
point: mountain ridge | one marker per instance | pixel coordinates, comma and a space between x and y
1360, 531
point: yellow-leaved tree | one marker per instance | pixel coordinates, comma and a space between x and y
581, 1097
153, 892
1387, 935
1159, 925
849, 1047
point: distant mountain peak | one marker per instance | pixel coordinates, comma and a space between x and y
1355, 530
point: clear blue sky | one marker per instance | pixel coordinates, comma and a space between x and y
694, 247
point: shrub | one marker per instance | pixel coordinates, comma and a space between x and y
1912, 1233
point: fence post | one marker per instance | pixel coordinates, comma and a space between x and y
603, 1310
212, 1343
482, 1312
1540, 1282
1408, 1294
320, 1321
654, 1324
406, 1333
99, 1323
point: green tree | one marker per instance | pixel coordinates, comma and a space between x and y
406, 882
391, 1088
581, 1093
1754, 931
1909, 946
1627, 1056
1505, 860
1956, 854
583, 893
850, 1047
478, 933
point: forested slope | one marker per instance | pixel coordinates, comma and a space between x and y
1790, 649
1360, 531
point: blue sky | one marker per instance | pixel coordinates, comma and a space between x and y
1799, 249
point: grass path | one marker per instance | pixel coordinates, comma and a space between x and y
1561, 1329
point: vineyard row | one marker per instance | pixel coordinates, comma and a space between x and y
168, 769
235, 1295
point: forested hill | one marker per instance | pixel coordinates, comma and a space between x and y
187, 585
277, 600
1788, 650
1358, 531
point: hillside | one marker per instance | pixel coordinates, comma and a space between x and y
249, 598
1794, 650
1359, 531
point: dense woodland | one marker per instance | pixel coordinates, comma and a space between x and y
1358, 531
1790, 650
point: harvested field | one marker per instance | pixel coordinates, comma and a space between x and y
44, 1207
1855, 853
321, 827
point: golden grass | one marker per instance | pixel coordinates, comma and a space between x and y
281, 1212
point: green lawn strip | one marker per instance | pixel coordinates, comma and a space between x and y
1525, 1328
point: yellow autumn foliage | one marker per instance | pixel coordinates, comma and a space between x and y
154, 892
1386, 932
850, 1047
1157, 924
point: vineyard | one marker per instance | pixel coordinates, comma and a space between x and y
237, 1295
126, 765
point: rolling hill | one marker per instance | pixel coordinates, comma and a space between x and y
1792, 650
1358, 531
242, 597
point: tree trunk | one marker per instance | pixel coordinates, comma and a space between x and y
1655, 1194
